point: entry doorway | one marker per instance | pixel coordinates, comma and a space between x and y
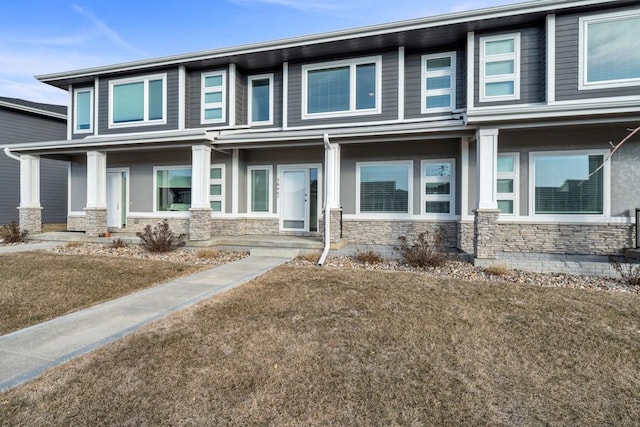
117, 197
298, 197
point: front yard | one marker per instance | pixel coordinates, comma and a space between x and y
306, 346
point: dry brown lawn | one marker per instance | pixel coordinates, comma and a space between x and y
309, 346
37, 286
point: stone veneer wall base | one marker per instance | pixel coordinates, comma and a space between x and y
30, 220
485, 233
95, 222
200, 224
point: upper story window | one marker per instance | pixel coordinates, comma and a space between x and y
569, 182
438, 187
138, 101
609, 54
438, 82
83, 110
214, 87
261, 99
500, 67
342, 88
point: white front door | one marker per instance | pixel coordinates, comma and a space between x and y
294, 199
115, 199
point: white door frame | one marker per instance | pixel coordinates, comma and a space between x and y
123, 197
306, 167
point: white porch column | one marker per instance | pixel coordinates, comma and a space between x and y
332, 169
96, 209
96, 180
486, 242
200, 211
200, 176
487, 159
30, 211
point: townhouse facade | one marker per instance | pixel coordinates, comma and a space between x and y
492, 125
23, 121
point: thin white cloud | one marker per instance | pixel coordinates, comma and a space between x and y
104, 29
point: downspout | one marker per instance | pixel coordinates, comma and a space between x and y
327, 210
8, 152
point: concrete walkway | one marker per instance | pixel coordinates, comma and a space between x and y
27, 353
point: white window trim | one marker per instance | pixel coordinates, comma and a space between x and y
260, 167
220, 182
155, 186
583, 82
386, 215
451, 197
515, 176
440, 73
352, 64
222, 104
145, 80
250, 81
606, 184
484, 60
75, 110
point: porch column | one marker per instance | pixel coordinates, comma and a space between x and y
485, 226
30, 216
332, 187
96, 209
200, 211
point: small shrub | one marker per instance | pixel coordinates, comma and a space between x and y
368, 257
498, 270
118, 243
423, 252
207, 253
160, 238
629, 269
11, 233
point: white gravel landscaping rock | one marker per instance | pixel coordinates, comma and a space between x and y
209, 257
465, 271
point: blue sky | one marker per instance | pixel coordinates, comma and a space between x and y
47, 36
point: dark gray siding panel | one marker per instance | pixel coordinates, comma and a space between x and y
172, 106
532, 67
241, 98
78, 183
17, 127
389, 95
567, 63
194, 85
413, 83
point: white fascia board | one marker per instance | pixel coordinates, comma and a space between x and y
374, 30
32, 110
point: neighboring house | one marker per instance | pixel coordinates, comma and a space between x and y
489, 124
24, 121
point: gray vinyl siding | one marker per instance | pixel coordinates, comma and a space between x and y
532, 67
17, 127
78, 184
567, 63
413, 82
241, 98
389, 94
414, 151
195, 96
171, 100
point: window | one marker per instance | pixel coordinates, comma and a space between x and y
83, 111
568, 183
173, 188
438, 82
342, 88
259, 191
500, 67
213, 97
137, 101
261, 99
216, 188
384, 187
438, 187
507, 183
609, 55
